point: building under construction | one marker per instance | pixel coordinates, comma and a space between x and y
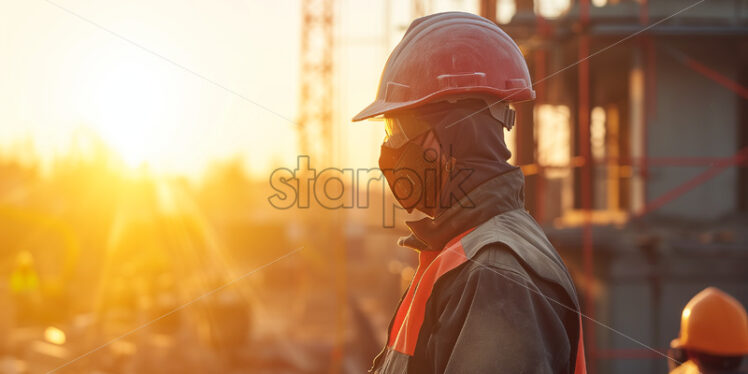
635, 156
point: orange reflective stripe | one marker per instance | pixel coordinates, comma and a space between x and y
424, 260
581, 366
431, 266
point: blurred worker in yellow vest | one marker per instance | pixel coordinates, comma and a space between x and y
23, 279
24, 286
713, 335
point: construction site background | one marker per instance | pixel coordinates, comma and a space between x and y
634, 152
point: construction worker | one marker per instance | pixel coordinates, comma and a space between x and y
713, 335
490, 294
24, 285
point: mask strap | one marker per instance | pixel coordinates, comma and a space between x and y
504, 114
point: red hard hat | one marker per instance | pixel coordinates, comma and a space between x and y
451, 54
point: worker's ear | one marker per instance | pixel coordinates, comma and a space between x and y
677, 356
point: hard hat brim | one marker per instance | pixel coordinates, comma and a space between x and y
676, 343
379, 107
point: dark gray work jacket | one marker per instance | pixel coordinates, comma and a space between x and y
496, 298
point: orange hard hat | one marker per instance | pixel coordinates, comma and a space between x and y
713, 322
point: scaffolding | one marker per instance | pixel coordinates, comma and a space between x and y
624, 168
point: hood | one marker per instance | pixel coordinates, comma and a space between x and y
469, 133
498, 195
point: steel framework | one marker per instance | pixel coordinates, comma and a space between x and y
315, 119
317, 139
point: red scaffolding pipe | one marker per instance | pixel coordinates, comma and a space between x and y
540, 91
709, 73
677, 161
646, 48
586, 181
740, 157
576, 162
633, 353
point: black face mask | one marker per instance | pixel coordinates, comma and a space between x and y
415, 174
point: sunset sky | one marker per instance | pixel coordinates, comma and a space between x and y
62, 75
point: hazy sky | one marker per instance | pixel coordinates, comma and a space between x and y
59, 73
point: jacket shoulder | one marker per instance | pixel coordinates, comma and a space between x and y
515, 239
495, 265
495, 257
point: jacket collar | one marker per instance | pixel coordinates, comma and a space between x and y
495, 196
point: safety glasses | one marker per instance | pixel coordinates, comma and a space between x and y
402, 129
